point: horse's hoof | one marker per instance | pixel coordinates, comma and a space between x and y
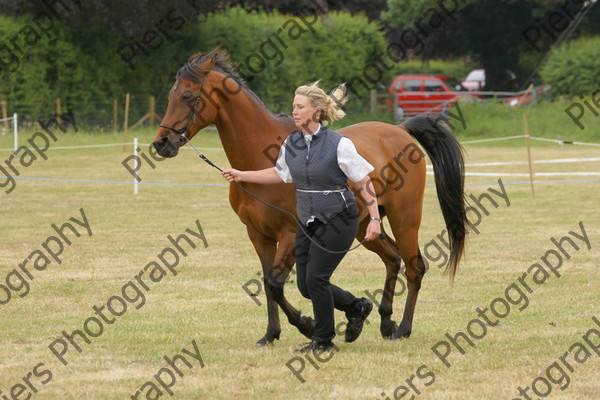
307, 328
388, 329
263, 342
402, 333
267, 340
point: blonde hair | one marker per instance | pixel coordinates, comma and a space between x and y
331, 105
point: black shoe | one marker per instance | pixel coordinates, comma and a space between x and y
320, 346
355, 324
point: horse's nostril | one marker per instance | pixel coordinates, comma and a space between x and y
158, 144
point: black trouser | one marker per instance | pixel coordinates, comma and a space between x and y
315, 266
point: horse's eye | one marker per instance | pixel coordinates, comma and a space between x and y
187, 97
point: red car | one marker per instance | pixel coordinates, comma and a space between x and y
414, 94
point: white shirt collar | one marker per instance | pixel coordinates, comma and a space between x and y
308, 137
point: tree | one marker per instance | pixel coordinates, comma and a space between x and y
371, 8
125, 17
275, 53
91, 55
500, 35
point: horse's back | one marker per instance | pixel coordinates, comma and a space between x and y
383, 144
399, 174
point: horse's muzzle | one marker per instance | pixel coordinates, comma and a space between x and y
167, 147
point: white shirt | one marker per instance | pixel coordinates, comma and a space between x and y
350, 162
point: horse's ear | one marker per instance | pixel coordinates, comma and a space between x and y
208, 64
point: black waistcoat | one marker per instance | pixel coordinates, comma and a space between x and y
314, 168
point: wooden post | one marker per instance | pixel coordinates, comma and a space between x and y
373, 93
15, 132
115, 116
5, 116
525, 123
151, 110
126, 120
136, 159
58, 112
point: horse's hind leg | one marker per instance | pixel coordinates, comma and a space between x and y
407, 240
386, 249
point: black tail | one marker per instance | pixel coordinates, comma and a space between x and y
448, 165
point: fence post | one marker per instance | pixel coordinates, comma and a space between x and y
5, 116
137, 166
526, 125
16, 132
151, 110
373, 100
126, 120
115, 123
58, 113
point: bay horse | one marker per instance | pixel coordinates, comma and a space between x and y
207, 90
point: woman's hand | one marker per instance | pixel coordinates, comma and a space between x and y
373, 230
267, 176
232, 175
369, 198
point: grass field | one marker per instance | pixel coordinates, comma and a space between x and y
206, 305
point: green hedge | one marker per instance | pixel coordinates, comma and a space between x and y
82, 66
38, 76
276, 53
572, 69
459, 69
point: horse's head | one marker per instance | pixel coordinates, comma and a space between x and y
190, 107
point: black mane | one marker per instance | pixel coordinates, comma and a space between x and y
193, 70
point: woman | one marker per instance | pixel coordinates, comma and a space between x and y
319, 161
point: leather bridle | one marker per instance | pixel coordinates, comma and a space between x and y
183, 130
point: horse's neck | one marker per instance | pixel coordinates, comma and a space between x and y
249, 132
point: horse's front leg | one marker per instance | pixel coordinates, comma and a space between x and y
275, 280
266, 249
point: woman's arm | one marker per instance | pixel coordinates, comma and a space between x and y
367, 193
265, 176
